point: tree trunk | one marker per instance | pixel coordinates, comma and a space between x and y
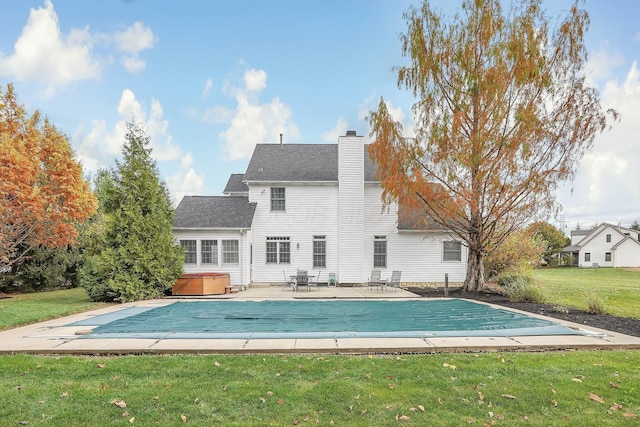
475, 272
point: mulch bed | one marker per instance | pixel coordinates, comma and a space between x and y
623, 325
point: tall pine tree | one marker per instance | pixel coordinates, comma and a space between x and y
139, 258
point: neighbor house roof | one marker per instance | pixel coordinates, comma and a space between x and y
236, 184
299, 162
214, 212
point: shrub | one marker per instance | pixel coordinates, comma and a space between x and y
518, 253
521, 288
595, 303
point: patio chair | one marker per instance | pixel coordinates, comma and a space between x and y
289, 282
394, 281
302, 279
332, 280
315, 280
376, 281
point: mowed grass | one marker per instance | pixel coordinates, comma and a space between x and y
570, 287
22, 309
600, 388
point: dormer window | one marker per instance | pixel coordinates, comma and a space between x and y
277, 199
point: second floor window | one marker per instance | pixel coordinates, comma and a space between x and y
278, 250
277, 199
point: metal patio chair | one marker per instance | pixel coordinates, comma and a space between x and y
394, 281
288, 282
376, 281
302, 279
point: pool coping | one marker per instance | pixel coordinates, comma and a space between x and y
57, 337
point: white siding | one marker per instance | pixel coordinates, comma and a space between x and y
310, 210
627, 254
238, 273
350, 208
419, 256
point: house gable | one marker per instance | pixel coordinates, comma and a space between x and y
236, 185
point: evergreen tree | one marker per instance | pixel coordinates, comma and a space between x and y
138, 257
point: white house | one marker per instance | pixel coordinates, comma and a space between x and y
316, 207
606, 245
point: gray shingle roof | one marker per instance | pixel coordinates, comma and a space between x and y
299, 162
214, 212
236, 184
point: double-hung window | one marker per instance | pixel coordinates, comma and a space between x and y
587, 257
230, 252
451, 251
608, 238
190, 251
380, 251
209, 251
278, 250
607, 256
319, 251
278, 199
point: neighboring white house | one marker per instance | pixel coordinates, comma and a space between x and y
606, 245
316, 207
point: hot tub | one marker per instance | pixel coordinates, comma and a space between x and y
201, 284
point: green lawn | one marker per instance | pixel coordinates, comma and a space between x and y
23, 309
598, 388
620, 289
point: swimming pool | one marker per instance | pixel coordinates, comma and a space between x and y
319, 319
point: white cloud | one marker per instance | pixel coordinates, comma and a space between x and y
607, 184
340, 129
251, 122
208, 87
44, 54
99, 146
131, 42
186, 181
255, 80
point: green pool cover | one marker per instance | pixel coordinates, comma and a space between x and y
320, 319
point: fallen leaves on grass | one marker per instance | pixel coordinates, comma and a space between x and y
119, 403
596, 398
509, 396
446, 365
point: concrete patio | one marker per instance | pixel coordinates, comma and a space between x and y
57, 337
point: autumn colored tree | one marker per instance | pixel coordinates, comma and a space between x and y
134, 255
503, 113
43, 195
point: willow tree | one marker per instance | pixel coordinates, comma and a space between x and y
503, 114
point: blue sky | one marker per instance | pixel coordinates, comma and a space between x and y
210, 79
